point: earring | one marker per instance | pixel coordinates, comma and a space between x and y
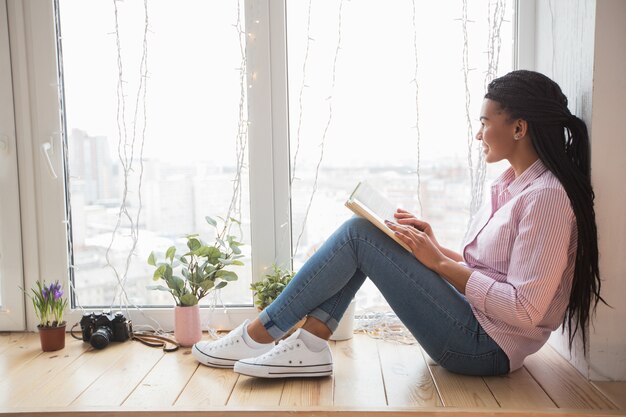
516, 137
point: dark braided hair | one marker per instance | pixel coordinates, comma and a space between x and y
562, 143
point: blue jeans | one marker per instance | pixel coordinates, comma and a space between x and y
435, 313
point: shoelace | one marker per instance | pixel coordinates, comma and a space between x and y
227, 340
278, 349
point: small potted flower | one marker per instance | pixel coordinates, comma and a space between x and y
49, 306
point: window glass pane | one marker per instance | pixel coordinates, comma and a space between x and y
194, 110
364, 95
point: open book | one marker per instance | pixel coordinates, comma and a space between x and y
367, 202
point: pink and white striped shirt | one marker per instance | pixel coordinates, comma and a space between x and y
522, 249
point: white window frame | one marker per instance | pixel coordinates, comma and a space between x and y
37, 119
524, 34
12, 302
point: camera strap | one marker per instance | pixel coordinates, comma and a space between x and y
155, 340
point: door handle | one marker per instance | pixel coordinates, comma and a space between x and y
46, 148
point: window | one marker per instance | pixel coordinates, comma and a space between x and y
356, 95
174, 121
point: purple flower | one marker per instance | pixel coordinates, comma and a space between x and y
44, 293
58, 294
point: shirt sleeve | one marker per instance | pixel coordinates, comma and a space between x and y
538, 260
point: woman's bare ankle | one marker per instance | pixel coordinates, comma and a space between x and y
258, 333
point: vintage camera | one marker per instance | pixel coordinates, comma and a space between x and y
100, 329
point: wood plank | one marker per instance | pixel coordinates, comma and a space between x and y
8, 339
563, 383
165, 382
518, 390
308, 391
406, 375
615, 391
208, 387
20, 384
256, 392
304, 392
357, 374
19, 352
119, 380
459, 390
311, 412
77, 377
462, 390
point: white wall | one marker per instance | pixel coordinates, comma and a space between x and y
579, 43
607, 350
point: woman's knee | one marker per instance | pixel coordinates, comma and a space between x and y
356, 226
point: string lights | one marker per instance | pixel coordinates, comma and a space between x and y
126, 146
302, 87
494, 23
241, 139
328, 121
417, 111
468, 119
130, 150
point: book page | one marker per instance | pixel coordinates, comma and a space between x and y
375, 202
366, 202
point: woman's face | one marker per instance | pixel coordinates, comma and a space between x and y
496, 132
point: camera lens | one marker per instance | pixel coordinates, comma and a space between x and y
101, 337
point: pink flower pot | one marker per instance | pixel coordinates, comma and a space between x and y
187, 326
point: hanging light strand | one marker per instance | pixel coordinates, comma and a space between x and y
303, 85
126, 154
241, 138
417, 111
325, 132
494, 20
468, 119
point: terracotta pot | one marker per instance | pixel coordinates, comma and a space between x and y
52, 338
187, 326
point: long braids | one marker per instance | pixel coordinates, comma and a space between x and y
562, 142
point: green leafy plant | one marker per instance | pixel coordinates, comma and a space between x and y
203, 267
48, 303
270, 287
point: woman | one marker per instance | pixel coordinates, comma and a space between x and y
530, 262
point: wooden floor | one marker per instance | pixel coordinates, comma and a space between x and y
371, 377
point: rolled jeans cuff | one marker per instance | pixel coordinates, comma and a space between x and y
271, 327
325, 318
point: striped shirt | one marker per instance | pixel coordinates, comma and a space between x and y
522, 250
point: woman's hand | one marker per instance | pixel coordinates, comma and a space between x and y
422, 247
404, 217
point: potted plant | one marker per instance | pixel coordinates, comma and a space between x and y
49, 306
203, 268
270, 287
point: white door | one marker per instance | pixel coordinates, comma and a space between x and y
11, 277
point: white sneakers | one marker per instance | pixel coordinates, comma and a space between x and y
289, 358
224, 352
